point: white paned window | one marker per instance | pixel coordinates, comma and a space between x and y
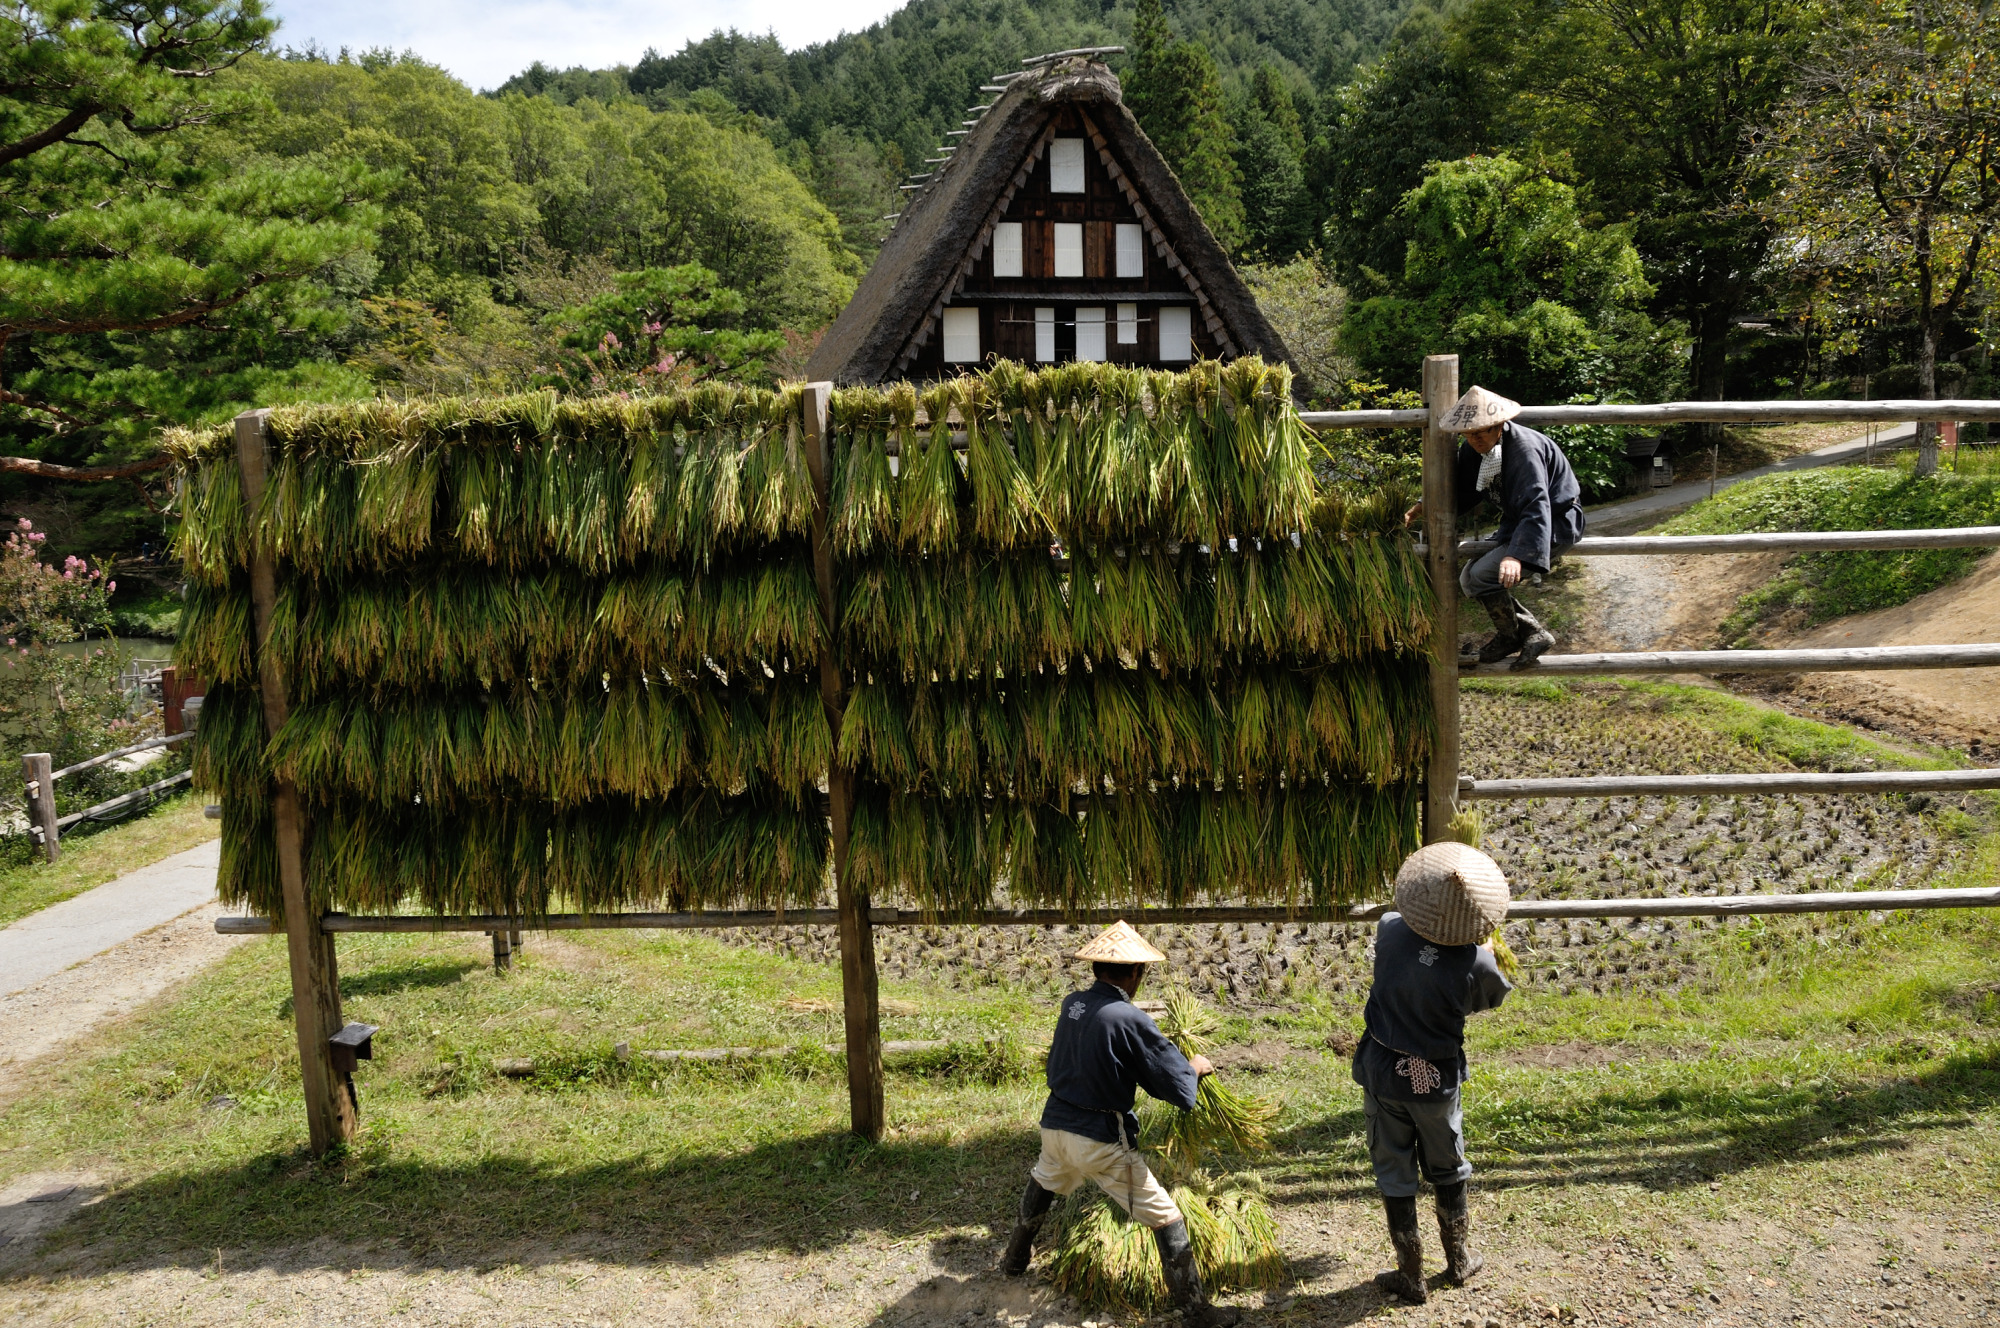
1007, 249
1045, 334
1066, 166
1069, 248
1090, 333
1131, 250
1128, 324
1176, 334
961, 336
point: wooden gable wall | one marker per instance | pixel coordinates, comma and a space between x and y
1007, 306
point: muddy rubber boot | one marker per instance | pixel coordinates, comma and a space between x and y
1020, 1249
1506, 638
1406, 1279
1536, 640
1184, 1289
1455, 1231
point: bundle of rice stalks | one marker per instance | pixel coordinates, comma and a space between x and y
1223, 1120
1310, 847
508, 481
1041, 734
1109, 1262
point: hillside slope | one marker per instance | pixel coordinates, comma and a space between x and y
908, 79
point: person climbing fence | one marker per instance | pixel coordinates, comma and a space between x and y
1529, 479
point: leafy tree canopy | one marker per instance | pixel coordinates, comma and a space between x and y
1503, 269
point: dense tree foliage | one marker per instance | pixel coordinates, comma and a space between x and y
1885, 167
1175, 92
1503, 270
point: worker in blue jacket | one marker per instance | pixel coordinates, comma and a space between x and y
1527, 476
1105, 1049
1431, 972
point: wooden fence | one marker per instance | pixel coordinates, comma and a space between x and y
328, 1062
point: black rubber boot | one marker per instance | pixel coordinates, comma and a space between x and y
1406, 1279
1455, 1231
1506, 615
1184, 1289
1536, 640
1035, 1203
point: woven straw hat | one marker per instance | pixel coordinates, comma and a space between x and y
1479, 409
1451, 893
1121, 945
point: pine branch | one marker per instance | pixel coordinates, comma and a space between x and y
49, 470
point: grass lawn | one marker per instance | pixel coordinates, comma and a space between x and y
92, 859
1817, 1076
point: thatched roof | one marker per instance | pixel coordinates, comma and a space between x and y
947, 225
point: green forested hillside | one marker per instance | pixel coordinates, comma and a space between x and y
907, 79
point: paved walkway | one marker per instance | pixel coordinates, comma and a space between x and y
43, 944
102, 955
1651, 507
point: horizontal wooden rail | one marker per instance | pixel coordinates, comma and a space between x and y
1851, 659
1520, 910
1687, 412
1803, 541
124, 800
137, 747
1660, 786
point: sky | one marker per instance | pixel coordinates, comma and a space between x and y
486, 42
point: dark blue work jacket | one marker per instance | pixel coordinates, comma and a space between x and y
1541, 504
1105, 1047
1417, 1006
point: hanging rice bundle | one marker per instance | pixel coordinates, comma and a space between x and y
1108, 643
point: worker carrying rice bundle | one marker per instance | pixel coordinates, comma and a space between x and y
1105, 1049
1541, 515
1430, 973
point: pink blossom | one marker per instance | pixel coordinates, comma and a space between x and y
112, 588
10, 640
653, 329
25, 524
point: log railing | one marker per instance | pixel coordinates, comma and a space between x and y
1831, 901
43, 822
1685, 412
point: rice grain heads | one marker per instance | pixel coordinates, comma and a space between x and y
1104, 636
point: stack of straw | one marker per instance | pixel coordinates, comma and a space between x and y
1121, 647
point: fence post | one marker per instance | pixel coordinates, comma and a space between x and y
1441, 534
330, 1114
40, 773
860, 998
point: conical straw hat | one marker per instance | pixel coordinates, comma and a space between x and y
1121, 945
1451, 893
1479, 409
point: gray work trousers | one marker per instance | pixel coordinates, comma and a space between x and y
1481, 576
1405, 1138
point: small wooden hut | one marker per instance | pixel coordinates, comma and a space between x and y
1053, 232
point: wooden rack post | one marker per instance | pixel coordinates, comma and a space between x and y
860, 997
1441, 560
330, 1116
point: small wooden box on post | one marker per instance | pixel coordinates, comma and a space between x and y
1441, 561
330, 1104
860, 997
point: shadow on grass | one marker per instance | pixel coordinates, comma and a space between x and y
390, 981
814, 1192
1663, 1139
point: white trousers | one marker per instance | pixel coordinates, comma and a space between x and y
1068, 1160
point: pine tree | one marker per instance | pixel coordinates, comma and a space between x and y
118, 226
1175, 92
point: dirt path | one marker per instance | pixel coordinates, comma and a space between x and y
1929, 1267
95, 957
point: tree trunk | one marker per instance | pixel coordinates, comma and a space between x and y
1711, 353
1927, 430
